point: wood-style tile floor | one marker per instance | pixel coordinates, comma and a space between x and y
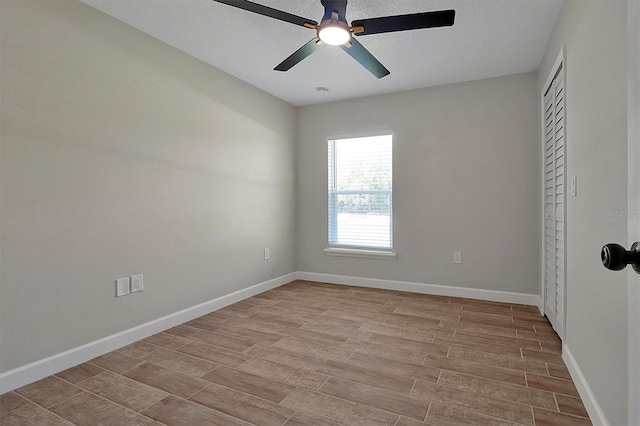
324, 355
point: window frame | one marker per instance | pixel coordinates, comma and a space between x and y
359, 251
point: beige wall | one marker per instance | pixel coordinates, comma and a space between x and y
466, 178
121, 155
594, 33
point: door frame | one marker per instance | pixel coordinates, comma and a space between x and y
633, 219
560, 63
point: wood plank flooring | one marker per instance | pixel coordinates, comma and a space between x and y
320, 354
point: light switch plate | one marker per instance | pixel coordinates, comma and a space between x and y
267, 254
574, 186
122, 287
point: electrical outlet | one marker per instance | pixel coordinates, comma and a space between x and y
267, 254
122, 287
457, 257
136, 283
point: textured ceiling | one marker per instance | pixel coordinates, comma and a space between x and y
490, 38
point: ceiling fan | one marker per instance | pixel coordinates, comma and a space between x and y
335, 30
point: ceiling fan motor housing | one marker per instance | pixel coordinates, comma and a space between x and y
337, 6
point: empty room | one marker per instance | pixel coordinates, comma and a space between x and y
319, 212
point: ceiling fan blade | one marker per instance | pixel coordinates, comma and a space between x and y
366, 59
270, 12
414, 21
297, 56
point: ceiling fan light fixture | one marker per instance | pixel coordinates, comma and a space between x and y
334, 32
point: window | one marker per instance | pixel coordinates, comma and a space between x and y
360, 193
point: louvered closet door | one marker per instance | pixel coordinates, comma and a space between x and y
554, 168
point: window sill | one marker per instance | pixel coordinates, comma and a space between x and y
364, 254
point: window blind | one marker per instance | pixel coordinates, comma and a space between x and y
360, 192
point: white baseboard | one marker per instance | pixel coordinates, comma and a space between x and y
586, 394
442, 290
34, 371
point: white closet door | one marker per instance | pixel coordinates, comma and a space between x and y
560, 181
549, 210
554, 190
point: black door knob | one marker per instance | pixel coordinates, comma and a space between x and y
616, 258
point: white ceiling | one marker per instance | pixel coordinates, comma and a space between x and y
489, 38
